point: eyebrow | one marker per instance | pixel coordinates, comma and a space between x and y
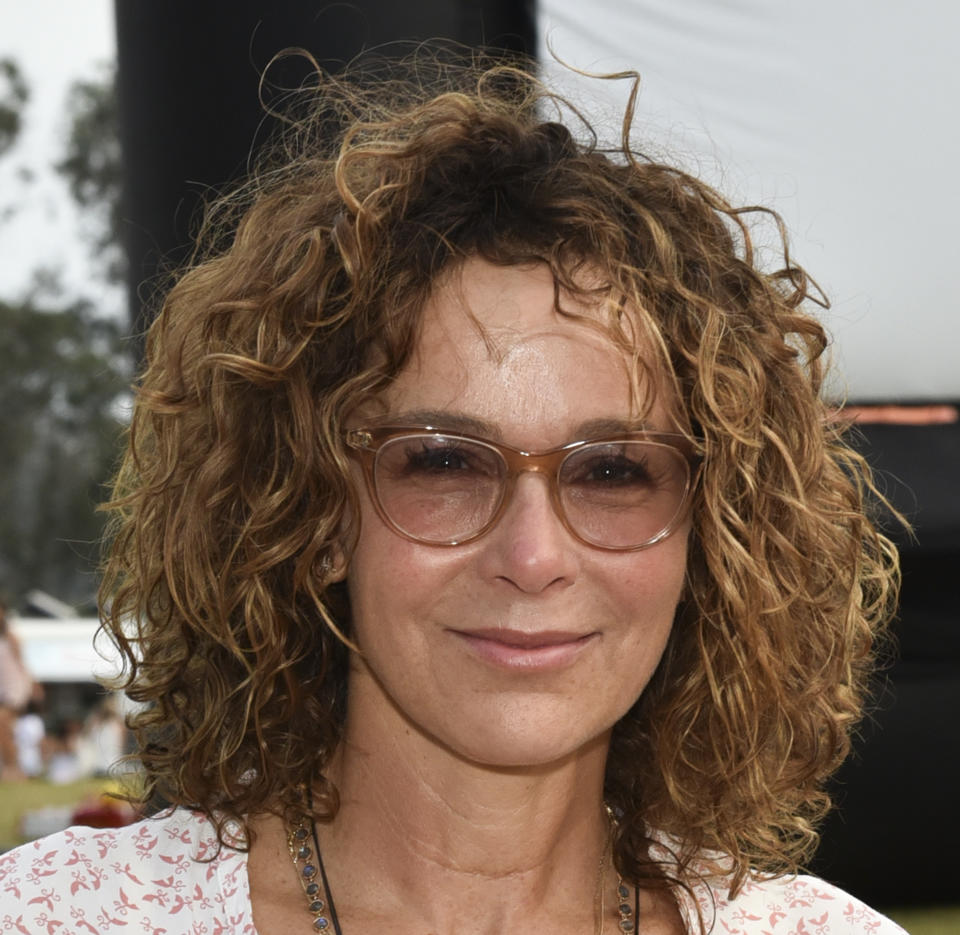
446, 419
454, 421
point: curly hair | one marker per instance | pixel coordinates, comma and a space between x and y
303, 301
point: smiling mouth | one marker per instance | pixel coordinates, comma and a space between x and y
516, 649
522, 640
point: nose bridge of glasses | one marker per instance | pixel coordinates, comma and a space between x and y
522, 462
544, 465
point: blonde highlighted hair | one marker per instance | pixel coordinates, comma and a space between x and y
303, 301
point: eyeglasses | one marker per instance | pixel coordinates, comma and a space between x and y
625, 492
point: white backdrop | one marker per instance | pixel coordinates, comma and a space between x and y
840, 114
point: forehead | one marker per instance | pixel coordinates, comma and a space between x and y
507, 307
494, 345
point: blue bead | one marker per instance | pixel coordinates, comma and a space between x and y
309, 871
320, 923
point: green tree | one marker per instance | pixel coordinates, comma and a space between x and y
63, 381
13, 98
93, 168
64, 371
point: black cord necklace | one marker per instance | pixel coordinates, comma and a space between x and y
313, 878
323, 877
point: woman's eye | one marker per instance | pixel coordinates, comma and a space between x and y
430, 459
438, 460
450, 457
613, 471
627, 466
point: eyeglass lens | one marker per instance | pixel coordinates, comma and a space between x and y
445, 489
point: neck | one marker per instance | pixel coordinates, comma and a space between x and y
432, 832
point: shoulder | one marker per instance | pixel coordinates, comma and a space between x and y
799, 905
160, 869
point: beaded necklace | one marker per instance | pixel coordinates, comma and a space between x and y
308, 863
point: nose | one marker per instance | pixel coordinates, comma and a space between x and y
530, 547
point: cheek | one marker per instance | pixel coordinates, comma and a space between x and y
390, 580
653, 587
369, 552
660, 571
371, 574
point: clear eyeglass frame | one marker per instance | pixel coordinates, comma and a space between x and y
366, 443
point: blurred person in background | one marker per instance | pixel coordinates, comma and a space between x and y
63, 761
30, 735
101, 743
16, 687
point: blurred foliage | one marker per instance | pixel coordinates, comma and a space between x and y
927, 920
63, 379
64, 370
93, 167
13, 97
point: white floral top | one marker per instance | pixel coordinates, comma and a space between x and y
156, 877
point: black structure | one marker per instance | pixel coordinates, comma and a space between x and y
892, 839
189, 72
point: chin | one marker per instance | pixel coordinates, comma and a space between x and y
496, 745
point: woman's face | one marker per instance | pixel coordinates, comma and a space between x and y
526, 644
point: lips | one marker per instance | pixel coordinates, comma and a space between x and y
523, 640
516, 649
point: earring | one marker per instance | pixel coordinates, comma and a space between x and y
330, 570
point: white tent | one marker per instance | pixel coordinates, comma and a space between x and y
841, 115
66, 650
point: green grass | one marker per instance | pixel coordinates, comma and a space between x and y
18, 797
941, 920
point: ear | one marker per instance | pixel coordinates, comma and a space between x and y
332, 568
338, 566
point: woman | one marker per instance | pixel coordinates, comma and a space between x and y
496, 564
